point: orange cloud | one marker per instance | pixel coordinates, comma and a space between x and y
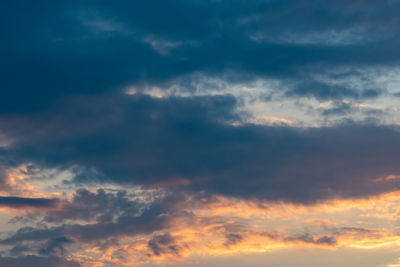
229, 226
225, 226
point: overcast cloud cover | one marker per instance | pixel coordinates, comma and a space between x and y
140, 133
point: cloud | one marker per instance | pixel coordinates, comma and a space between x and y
37, 261
94, 206
215, 226
163, 244
154, 97
154, 142
54, 245
323, 91
319, 240
233, 239
340, 108
105, 230
21, 202
120, 217
89, 48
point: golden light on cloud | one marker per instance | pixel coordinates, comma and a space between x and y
218, 225
270, 120
227, 226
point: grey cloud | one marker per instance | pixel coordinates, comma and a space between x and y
28, 261
232, 239
155, 142
66, 48
163, 244
89, 206
66, 63
54, 246
22, 202
339, 109
51, 240
317, 240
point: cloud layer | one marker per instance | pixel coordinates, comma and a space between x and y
154, 132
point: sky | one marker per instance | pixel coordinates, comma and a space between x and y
200, 133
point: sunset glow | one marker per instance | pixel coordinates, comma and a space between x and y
200, 133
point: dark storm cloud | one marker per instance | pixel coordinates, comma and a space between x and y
191, 144
54, 49
21, 202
